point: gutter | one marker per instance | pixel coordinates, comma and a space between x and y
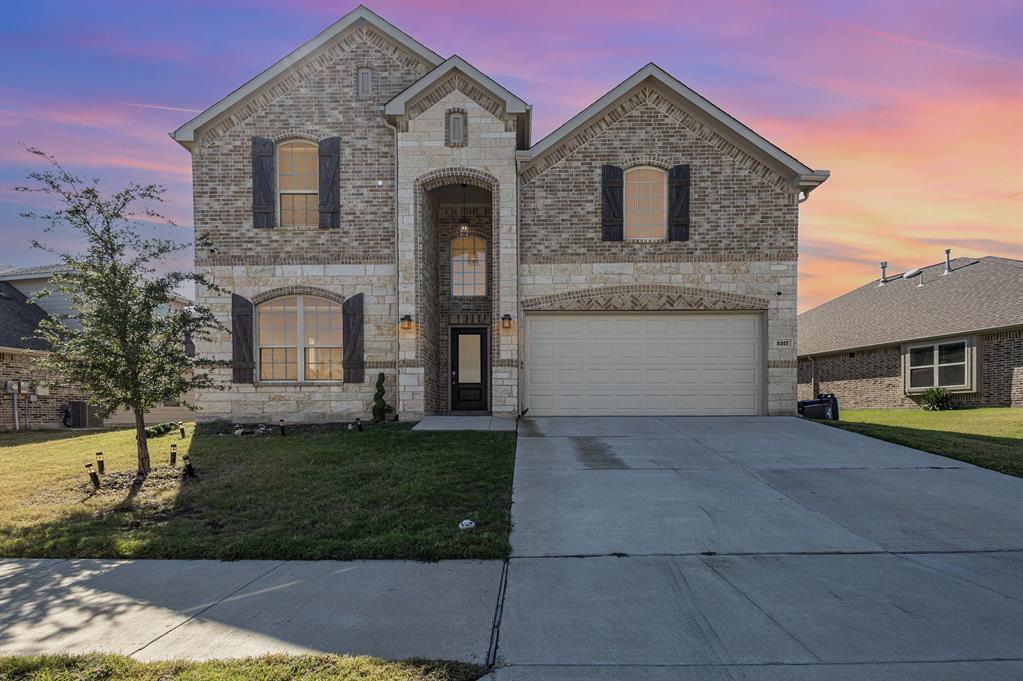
915, 339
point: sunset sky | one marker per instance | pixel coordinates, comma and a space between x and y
916, 108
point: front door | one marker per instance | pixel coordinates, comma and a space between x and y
468, 369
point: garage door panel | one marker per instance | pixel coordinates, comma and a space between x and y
649, 363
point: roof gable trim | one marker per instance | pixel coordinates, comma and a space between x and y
399, 105
185, 135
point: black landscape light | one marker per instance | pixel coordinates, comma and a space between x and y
181, 429
283, 433
358, 424
189, 471
92, 476
99, 462
174, 455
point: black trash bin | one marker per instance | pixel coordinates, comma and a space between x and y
824, 407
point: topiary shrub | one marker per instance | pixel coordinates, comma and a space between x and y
380, 407
936, 399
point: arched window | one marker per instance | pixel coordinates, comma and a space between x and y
468, 266
298, 183
646, 206
299, 339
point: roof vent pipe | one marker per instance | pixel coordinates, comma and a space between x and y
948, 262
884, 266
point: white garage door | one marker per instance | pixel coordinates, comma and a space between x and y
595, 364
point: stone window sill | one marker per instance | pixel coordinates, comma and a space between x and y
295, 384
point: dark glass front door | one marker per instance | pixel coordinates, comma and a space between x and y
468, 369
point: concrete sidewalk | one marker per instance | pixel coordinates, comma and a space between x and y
197, 609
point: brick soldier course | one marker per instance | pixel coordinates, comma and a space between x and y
539, 209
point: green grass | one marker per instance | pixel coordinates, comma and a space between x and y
988, 437
384, 493
271, 668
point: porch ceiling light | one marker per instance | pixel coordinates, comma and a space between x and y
463, 226
406, 322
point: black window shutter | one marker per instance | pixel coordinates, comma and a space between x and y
612, 187
330, 182
262, 183
241, 339
678, 203
353, 362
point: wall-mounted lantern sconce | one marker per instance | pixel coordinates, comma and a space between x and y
406, 322
506, 321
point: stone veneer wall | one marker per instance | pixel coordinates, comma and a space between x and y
872, 379
45, 412
488, 161
313, 101
303, 402
743, 233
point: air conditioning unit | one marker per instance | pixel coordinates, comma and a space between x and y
83, 415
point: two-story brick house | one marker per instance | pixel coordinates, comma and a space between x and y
374, 208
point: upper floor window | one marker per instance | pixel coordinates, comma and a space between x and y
456, 133
645, 203
299, 339
298, 183
940, 365
468, 266
364, 83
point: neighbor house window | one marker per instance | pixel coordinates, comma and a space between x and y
468, 266
948, 364
456, 133
299, 339
364, 83
646, 208
297, 183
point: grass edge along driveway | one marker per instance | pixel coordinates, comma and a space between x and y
989, 437
331, 494
100, 667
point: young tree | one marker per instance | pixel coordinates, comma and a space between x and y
129, 346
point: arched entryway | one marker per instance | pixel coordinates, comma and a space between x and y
456, 296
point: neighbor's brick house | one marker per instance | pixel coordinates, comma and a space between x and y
956, 325
374, 208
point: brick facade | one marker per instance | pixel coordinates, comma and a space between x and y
542, 227
45, 412
872, 379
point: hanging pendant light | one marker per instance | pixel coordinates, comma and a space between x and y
463, 226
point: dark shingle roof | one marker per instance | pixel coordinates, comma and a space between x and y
18, 319
979, 294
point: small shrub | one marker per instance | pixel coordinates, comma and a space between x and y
160, 429
380, 407
936, 399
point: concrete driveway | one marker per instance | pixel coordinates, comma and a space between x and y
755, 548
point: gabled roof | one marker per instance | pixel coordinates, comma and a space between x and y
740, 134
19, 319
185, 135
33, 272
512, 104
977, 295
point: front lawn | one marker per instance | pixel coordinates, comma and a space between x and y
271, 668
384, 493
988, 437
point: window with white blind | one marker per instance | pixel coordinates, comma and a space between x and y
949, 364
645, 202
299, 339
298, 183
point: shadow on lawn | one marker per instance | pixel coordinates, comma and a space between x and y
1002, 454
29, 437
385, 493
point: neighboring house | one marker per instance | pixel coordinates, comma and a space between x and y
42, 395
955, 325
376, 208
28, 399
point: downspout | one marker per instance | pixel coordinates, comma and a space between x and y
397, 279
14, 402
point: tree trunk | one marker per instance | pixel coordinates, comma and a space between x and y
141, 443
